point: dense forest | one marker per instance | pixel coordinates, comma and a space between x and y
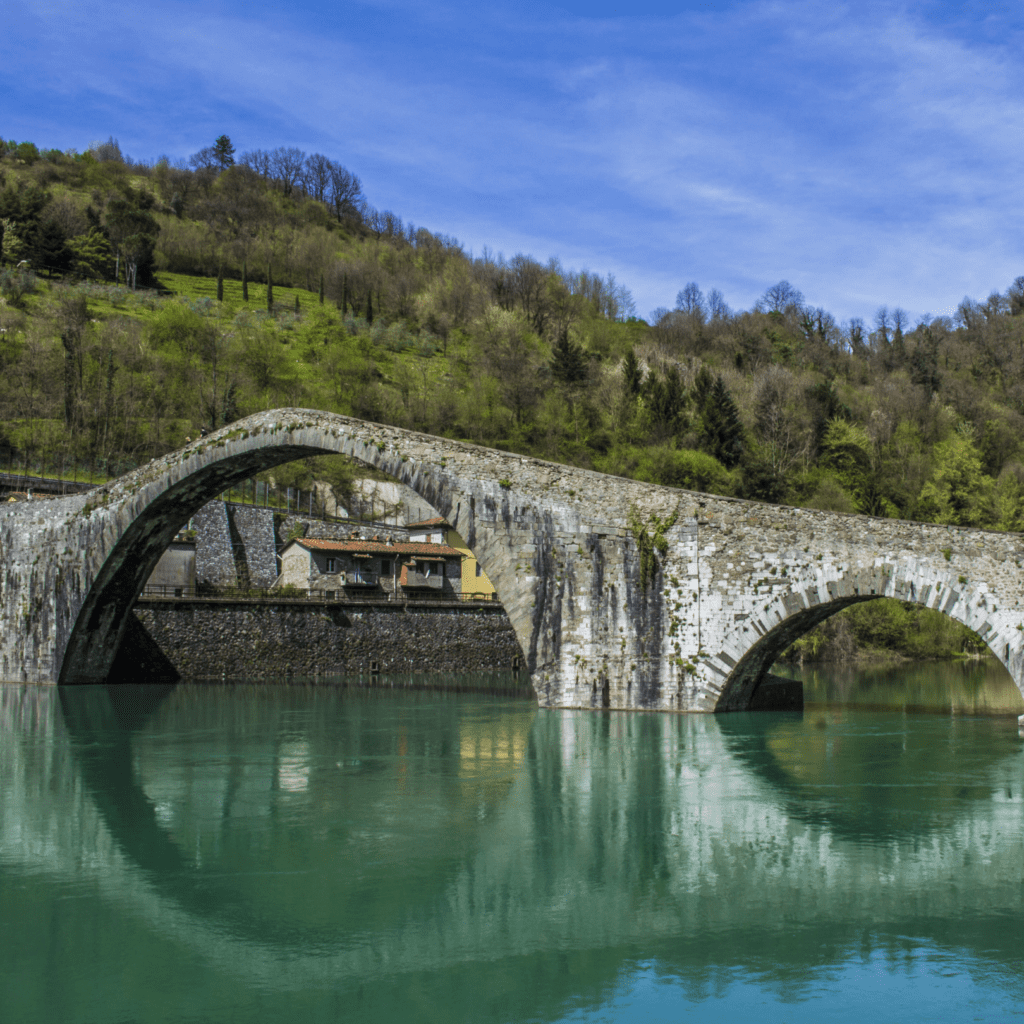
141, 302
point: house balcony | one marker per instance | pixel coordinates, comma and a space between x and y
418, 581
361, 579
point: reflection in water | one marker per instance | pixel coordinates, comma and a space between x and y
262, 853
970, 687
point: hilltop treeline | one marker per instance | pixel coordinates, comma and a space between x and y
289, 289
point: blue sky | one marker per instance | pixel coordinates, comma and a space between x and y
868, 152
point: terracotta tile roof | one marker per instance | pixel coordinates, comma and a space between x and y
377, 547
436, 521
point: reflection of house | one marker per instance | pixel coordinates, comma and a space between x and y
439, 531
370, 565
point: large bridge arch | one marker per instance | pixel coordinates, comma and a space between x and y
156, 501
622, 594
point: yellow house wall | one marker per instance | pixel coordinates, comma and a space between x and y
471, 583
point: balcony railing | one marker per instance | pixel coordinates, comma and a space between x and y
422, 581
361, 579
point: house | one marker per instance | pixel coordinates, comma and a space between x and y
367, 566
439, 531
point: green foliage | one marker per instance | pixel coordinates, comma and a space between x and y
650, 541
959, 493
886, 628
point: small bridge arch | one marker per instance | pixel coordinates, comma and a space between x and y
787, 618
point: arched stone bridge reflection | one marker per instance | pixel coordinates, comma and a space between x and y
684, 826
622, 594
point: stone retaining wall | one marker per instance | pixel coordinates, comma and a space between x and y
236, 640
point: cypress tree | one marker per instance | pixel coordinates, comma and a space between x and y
220, 284
369, 307
270, 290
296, 302
321, 288
245, 281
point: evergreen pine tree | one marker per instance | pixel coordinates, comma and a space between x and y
721, 430
223, 151
270, 290
245, 281
632, 374
703, 385
568, 360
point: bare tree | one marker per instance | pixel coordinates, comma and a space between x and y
781, 297
286, 167
316, 177
345, 191
718, 309
257, 160
691, 302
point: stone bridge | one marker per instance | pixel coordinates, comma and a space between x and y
622, 594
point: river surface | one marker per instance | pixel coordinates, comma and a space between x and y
275, 853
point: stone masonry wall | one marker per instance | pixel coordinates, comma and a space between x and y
215, 561
207, 640
255, 529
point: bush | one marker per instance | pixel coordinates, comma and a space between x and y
16, 284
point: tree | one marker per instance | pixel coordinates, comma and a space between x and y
286, 167
959, 491
721, 430
781, 297
632, 374
345, 191
569, 365
71, 316
91, 255
48, 250
691, 302
132, 233
224, 152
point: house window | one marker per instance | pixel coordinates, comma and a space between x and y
385, 567
479, 569
330, 565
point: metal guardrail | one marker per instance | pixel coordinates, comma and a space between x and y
160, 591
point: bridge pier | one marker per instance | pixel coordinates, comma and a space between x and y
622, 594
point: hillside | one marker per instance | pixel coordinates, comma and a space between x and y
142, 303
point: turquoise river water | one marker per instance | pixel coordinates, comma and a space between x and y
272, 853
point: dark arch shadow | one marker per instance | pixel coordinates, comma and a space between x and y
104, 620
753, 670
